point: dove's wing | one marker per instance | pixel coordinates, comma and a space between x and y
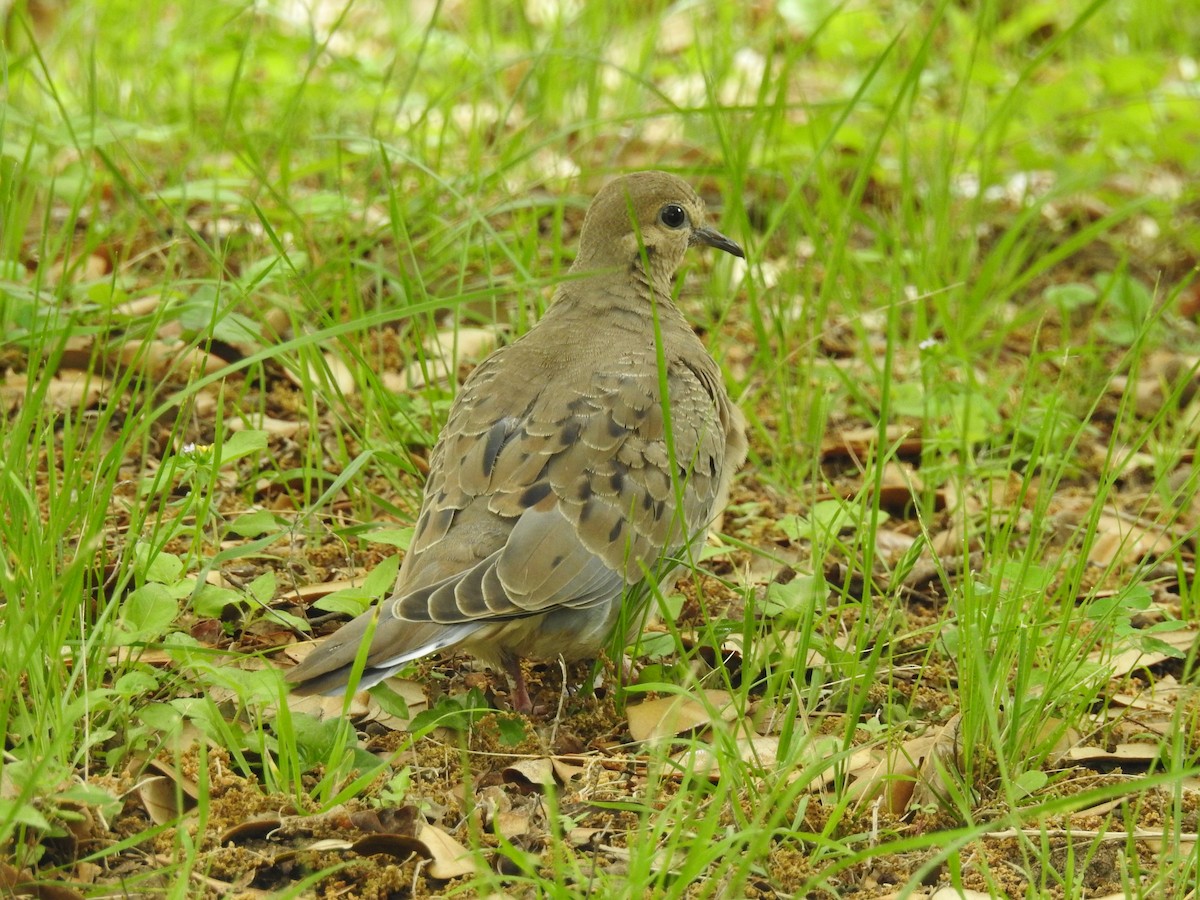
562, 496
551, 495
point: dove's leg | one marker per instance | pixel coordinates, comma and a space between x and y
520, 691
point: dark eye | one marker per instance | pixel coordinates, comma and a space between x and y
672, 216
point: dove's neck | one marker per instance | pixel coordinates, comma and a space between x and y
624, 298
610, 280
646, 269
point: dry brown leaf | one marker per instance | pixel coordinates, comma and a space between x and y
443, 353
511, 824
332, 370
783, 642
826, 755
1160, 374
449, 858
162, 799
585, 837
162, 359
533, 772
892, 545
10, 876
1068, 737
78, 270
1120, 539
386, 820
892, 777
412, 691
1139, 754
269, 424
494, 806
1147, 701
858, 443
310, 592
328, 845
941, 762
667, 717
324, 707
254, 829
88, 873
566, 770
948, 543
1136, 658
190, 789
73, 390
705, 760
401, 846
342, 374
143, 306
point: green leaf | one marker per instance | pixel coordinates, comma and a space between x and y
262, 588
147, 612
348, 601
163, 718
396, 790
394, 537
22, 814
253, 524
136, 684
1134, 598
184, 649
670, 606
365, 761
792, 600
316, 739
211, 601
196, 318
1031, 781
158, 566
1070, 296
286, 619
1151, 644
87, 794
1130, 303
382, 578
451, 712
827, 517
165, 568
389, 701
656, 645
512, 730
243, 443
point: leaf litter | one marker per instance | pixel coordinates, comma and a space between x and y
489, 791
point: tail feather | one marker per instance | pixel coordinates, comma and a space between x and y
394, 644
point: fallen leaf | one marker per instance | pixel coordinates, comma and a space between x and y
670, 716
450, 859
531, 772
941, 763
162, 799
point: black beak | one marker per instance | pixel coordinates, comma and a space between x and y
713, 238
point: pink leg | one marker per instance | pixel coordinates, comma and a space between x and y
520, 694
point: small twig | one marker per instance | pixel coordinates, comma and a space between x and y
562, 701
1138, 834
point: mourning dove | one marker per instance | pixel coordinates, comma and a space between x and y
563, 485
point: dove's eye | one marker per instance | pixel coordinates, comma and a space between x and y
673, 216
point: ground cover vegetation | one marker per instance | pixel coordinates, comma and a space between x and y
946, 637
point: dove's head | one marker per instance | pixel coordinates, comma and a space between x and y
646, 216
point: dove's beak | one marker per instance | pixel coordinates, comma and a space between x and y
713, 238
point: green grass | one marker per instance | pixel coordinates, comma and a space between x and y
975, 222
